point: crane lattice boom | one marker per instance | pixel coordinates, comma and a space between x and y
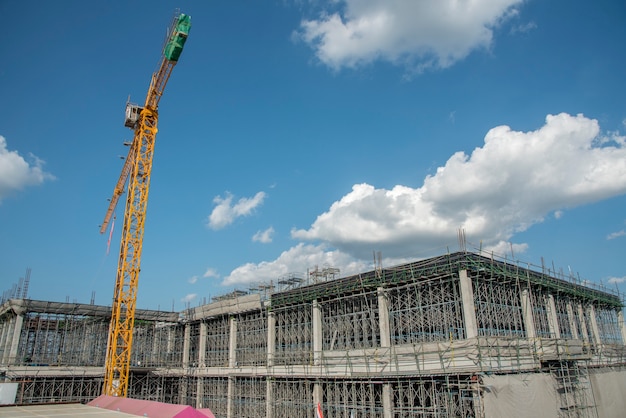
137, 169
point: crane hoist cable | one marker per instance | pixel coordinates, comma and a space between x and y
136, 172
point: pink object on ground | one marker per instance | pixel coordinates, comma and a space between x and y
149, 409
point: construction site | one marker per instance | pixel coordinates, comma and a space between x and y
463, 334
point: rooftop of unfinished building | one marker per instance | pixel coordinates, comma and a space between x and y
326, 282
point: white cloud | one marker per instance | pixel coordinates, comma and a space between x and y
512, 182
515, 180
16, 173
617, 234
617, 280
225, 212
524, 28
420, 33
210, 272
292, 261
189, 298
505, 248
264, 237
193, 279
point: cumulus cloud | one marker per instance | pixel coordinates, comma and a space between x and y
189, 298
513, 181
510, 183
421, 33
210, 272
225, 212
617, 280
193, 279
264, 237
524, 28
16, 173
292, 261
617, 234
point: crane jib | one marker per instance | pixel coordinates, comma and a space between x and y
179, 31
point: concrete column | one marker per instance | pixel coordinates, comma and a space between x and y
595, 331
152, 353
572, 322
201, 363
387, 401
385, 341
621, 325
4, 351
527, 312
4, 330
317, 333
232, 346
186, 345
271, 338
583, 323
18, 321
87, 344
170, 339
383, 318
467, 300
230, 399
200, 393
318, 394
553, 319
202, 345
269, 398
182, 392
8, 339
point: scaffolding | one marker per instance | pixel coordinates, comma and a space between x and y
574, 390
410, 340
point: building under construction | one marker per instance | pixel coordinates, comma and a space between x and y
460, 335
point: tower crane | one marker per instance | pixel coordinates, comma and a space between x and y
136, 172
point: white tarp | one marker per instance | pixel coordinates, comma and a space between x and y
534, 394
520, 396
609, 391
7, 393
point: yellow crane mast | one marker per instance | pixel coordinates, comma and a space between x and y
136, 170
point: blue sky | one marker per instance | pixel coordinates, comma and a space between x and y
296, 134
